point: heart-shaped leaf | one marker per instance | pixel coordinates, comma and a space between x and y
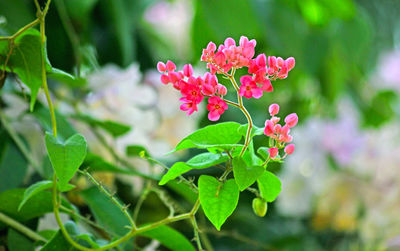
218, 199
245, 175
66, 157
269, 185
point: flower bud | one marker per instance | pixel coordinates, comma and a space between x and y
291, 119
273, 109
221, 90
170, 66
259, 207
165, 79
161, 67
187, 70
290, 62
289, 149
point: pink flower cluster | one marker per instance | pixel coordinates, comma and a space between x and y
229, 56
225, 60
279, 134
194, 89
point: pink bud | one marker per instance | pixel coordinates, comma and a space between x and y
229, 42
261, 60
220, 58
290, 62
272, 62
165, 79
243, 41
187, 70
275, 120
289, 149
280, 62
273, 109
174, 76
221, 90
211, 47
291, 120
277, 129
170, 66
273, 152
285, 129
269, 128
208, 89
161, 67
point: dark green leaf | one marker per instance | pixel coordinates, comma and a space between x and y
137, 150
170, 238
18, 242
58, 242
25, 60
116, 129
218, 199
13, 167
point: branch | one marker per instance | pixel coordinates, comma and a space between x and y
21, 228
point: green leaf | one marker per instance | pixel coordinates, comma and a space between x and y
96, 163
37, 188
64, 77
137, 150
183, 190
200, 161
170, 238
269, 185
17, 241
242, 130
58, 242
25, 60
245, 175
105, 212
38, 205
13, 167
116, 129
222, 135
218, 199
66, 157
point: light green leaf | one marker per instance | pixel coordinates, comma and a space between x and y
170, 238
25, 60
37, 188
58, 242
269, 185
245, 175
242, 130
66, 157
222, 135
200, 161
218, 199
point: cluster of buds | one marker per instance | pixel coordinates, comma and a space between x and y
194, 89
278, 134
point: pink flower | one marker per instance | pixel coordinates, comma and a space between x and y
191, 92
188, 105
289, 149
291, 120
249, 88
216, 106
273, 109
165, 79
273, 152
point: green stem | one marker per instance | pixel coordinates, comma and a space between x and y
20, 31
196, 232
21, 228
245, 112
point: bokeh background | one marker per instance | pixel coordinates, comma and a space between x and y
341, 187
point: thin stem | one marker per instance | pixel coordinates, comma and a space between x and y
21, 228
196, 232
245, 112
124, 209
20, 31
232, 103
142, 198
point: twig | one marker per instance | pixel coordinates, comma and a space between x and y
21, 228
